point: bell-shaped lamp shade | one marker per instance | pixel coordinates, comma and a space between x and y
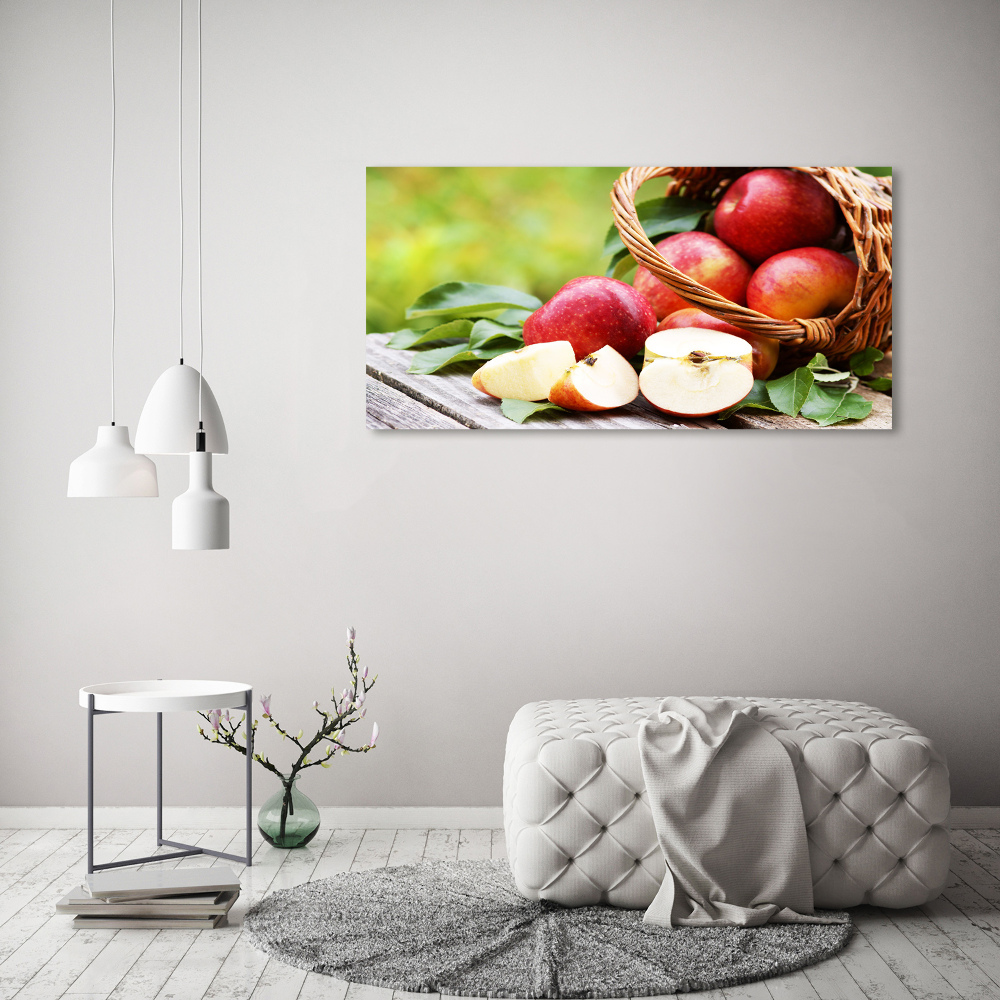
111, 468
200, 515
169, 420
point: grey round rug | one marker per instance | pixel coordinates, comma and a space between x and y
461, 927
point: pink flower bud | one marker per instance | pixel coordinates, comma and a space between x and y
351, 634
265, 702
374, 734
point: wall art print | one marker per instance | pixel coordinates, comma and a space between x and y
612, 298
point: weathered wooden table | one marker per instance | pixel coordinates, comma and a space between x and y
399, 400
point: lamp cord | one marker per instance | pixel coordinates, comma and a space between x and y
180, 162
201, 331
113, 289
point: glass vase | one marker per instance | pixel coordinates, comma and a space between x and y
289, 818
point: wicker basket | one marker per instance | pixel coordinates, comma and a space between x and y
866, 202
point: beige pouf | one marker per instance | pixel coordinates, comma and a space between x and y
875, 797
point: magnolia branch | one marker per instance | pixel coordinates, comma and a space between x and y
349, 709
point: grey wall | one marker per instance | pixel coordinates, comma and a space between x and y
481, 571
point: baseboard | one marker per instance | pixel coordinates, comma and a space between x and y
975, 818
334, 817
233, 817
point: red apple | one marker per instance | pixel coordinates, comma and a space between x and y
695, 373
768, 211
765, 349
591, 313
600, 381
802, 284
703, 258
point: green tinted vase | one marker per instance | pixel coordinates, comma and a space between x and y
288, 818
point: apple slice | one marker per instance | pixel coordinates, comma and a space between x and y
527, 373
599, 381
695, 373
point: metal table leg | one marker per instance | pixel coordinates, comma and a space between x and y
248, 731
185, 850
90, 784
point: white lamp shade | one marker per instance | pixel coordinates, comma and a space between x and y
111, 468
200, 515
169, 420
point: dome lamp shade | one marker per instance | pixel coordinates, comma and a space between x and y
111, 468
169, 421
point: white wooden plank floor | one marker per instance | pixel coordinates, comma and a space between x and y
949, 948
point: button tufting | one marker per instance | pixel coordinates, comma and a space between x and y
815, 734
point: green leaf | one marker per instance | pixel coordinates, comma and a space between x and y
789, 392
622, 264
513, 317
405, 339
822, 401
428, 362
660, 216
486, 353
519, 410
829, 406
468, 298
880, 384
863, 363
818, 361
830, 376
877, 171
486, 330
756, 399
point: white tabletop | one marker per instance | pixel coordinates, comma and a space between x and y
165, 695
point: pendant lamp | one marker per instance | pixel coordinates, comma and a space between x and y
200, 515
112, 468
168, 424
181, 415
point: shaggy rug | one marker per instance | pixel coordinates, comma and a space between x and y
461, 927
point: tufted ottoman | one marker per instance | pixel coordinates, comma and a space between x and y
579, 831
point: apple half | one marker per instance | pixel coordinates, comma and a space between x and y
600, 381
694, 372
527, 373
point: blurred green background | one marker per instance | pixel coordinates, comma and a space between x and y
531, 228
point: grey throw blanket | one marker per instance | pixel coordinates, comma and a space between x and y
728, 817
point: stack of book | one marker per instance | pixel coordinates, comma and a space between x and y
175, 897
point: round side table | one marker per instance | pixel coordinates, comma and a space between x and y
161, 696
